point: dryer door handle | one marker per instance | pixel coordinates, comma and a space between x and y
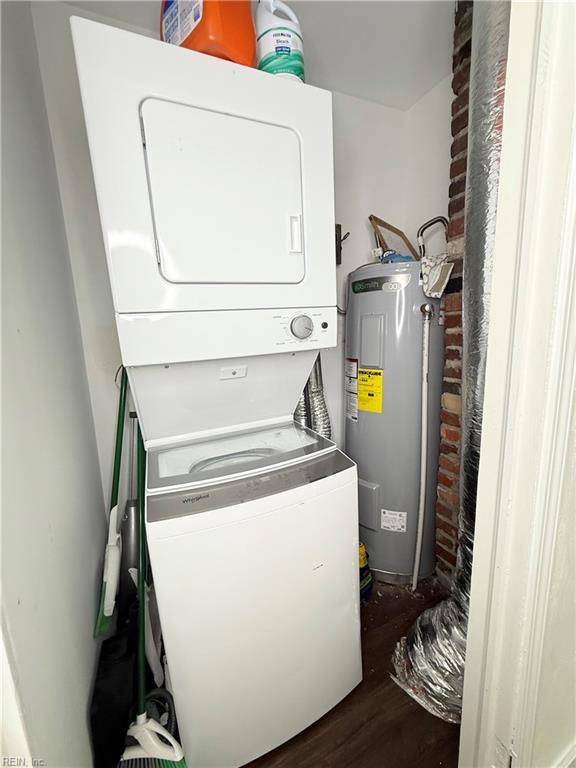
295, 226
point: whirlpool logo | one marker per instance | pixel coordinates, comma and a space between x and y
194, 499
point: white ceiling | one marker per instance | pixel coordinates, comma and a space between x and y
388, 51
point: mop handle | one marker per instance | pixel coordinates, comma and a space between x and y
141, 648
119, 439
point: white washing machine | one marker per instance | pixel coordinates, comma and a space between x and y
216, 198
253, 540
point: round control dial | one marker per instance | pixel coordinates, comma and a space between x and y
302, 326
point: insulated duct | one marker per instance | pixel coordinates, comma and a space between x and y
319, 417
301, 412
429, 660
311, 410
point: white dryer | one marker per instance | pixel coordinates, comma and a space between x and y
253, 539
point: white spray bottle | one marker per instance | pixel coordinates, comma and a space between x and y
279, 47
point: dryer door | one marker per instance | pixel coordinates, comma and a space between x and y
226, 196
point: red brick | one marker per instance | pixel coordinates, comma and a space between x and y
462, 48
446, 513
462, 17
459, 122
457, 188
450, 434
460, 102
444, 569
452, 372
462, 24
447, 504
451, 483
453, 320
459, 145
456, 205
462, 45
456, 226
453, 302
453, 353
461, 78
448, 527
457, 271
443, 554
457, 168
445, 541
453, 340
448, 448
450, 461
452, 419
461, 7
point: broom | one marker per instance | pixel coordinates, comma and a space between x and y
150, 744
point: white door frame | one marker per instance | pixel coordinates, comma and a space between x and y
529, 395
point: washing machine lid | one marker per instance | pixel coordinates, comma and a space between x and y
229, 456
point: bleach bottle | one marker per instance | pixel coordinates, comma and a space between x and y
279, 47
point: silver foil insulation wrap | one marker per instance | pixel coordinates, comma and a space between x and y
301, 412
319, 416
311, 409
429, 661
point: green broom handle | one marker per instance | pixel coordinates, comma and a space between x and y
141, 651
119, 439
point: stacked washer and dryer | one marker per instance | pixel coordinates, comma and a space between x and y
215, 191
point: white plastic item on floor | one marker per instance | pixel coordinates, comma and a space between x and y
154, 743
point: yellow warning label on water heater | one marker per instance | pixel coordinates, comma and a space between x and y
370, 390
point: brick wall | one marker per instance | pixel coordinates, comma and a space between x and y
448, 498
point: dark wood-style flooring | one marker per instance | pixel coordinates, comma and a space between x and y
377, 725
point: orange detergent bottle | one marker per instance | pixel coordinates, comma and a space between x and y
222, 28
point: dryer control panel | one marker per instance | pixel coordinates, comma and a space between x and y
178, 337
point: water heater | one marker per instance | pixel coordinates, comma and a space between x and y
385, 333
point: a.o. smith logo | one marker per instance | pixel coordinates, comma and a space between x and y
194, 499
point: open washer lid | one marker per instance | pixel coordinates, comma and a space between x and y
204, 462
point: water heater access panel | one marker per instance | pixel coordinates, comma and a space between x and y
214, 181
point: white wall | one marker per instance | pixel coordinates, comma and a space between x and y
369, 175
13, 739
394, 164
82, 223
52, 522
554, 730
428, 164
